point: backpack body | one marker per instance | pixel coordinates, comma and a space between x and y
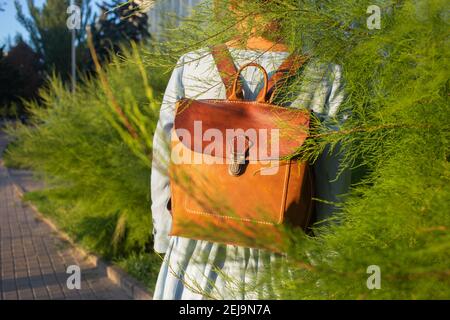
233, 177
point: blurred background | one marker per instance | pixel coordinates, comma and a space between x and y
82, 131
35, 39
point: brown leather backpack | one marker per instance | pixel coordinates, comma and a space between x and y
232, 189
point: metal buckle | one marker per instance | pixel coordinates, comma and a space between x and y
237, 165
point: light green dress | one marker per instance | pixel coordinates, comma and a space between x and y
194, 269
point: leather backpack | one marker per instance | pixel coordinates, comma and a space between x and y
233, 177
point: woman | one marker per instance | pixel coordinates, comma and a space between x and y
194, 269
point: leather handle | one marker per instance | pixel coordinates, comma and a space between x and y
261, 98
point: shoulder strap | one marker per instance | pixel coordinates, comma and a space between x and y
287, 69
227, 68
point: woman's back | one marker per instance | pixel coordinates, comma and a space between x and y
194, 269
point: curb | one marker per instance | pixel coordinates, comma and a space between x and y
131, 286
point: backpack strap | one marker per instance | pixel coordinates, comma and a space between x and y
287, 69
227, 69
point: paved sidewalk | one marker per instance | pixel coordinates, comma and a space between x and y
33, 260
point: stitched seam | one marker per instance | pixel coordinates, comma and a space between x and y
286, 182
248, 102
204, 213
243, 219
311, 184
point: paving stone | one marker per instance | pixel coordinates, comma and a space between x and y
33, 261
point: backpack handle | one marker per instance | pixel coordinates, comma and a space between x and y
262, 97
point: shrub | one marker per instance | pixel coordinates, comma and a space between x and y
397, 84
97, 173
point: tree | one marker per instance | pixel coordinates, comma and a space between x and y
20, 75
119, 24
27, 63
49, 34
9, 82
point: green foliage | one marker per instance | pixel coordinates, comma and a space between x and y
397, 217
9, 81
20, 78
397, 81
98, 174
94, 232
119, 23
143, 266
49, 35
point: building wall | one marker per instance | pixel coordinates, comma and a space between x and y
160, 13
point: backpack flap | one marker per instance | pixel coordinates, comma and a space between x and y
208, 126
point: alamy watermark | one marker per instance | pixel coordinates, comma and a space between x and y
374, 280
227, 146
74, 20
74, 280
374, 20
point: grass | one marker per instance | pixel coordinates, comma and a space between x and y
92, 148
57, 206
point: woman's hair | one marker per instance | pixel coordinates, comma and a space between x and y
222, 10
224, 5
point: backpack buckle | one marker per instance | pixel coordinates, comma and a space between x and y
237, 165
238, 153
